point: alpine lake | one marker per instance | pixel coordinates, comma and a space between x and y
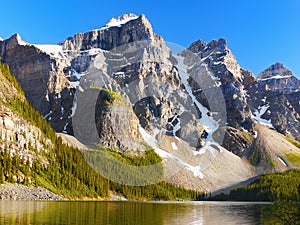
136, 212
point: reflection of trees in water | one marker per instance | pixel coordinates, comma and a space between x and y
286, 213
146, 213
19, 212
88, 213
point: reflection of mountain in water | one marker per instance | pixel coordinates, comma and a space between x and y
141, 213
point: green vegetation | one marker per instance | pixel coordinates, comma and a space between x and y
284, 186
297, 144
255, 157
109, 96
293, 158
258, 156
68, 173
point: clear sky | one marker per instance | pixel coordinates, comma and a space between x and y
259, 32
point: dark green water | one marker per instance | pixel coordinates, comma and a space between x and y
133, 213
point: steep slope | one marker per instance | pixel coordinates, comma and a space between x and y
122, 87
42, 78
274, 100
272, 151
31, 153
221, 66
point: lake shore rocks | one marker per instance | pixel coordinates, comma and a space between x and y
22, 192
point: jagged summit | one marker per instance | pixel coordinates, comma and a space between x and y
120, 20
275, 71
279, 78
171, 102
216, 53
11, 43
123, 30
201, 46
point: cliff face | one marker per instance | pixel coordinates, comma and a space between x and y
122, 85
18, 138
41, 77
112, 35
279, 79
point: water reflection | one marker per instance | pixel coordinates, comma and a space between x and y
136, 213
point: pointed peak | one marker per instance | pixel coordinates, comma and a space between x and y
16, 38
197, 46
120, 20
276, 70
14, 41
1, 39
222, 41
221, 44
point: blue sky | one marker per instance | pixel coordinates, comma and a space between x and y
259, 32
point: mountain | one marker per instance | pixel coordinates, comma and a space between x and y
274, 99
123, 87
31, 153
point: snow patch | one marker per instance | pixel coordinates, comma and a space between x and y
65, 128
196, 171
47, 115
261, 111
75, 83
53, 50
118, 22
174, 146
255, 134
282, 161
74, 107
150, 139
275, 77
209, 124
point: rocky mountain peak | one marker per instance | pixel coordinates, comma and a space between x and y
120, 20
11, 43
197, 46
276, 70
279, 78
217, 54
125, 29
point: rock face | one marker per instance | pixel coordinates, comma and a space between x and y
19, 138
117, 125
274, 98
279, 78
42, 79
122, 86
224, 69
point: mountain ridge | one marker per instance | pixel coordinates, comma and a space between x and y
173, 97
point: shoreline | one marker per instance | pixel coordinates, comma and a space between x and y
16, 192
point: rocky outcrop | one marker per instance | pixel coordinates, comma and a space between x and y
21, 139
21, 192
223, 67
121, 85
117, 125
274, 98
42, 78
17, 136
112, 35
279, 78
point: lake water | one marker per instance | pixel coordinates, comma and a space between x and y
132, 213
